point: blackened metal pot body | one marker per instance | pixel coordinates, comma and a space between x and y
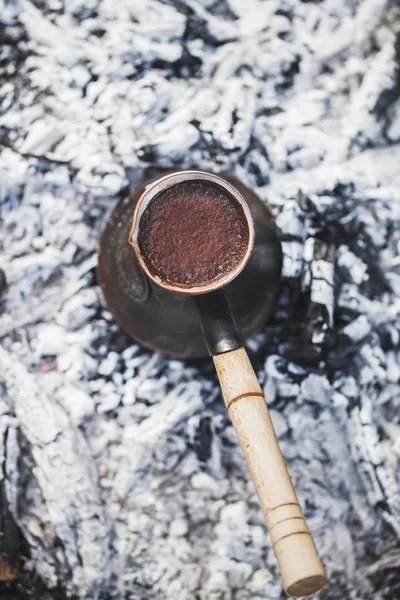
167, 321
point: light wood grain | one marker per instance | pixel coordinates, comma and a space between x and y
301, 568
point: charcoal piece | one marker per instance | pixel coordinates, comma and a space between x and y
291, 222
202, 439
292, 265
318, 282
316, 388
9, 540
377, 472
301, 352
3, 282
9, 462
357, 330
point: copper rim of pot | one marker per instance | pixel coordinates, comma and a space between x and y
167, 182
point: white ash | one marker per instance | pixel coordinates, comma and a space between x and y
67, 477
130, 481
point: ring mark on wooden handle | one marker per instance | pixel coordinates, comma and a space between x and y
246, 395
283, 521
269, 510
290, 534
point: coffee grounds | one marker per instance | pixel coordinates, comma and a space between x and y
193, 234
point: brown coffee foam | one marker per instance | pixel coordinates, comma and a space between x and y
193, 234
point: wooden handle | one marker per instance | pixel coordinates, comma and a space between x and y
301, 568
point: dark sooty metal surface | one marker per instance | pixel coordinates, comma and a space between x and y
167, 321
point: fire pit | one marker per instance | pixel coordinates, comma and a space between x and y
121, 476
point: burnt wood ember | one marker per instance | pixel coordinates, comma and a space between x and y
122, 471
9, 540
9, 455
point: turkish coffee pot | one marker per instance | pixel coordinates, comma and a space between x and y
189, 265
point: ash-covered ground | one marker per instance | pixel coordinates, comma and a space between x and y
120, 465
